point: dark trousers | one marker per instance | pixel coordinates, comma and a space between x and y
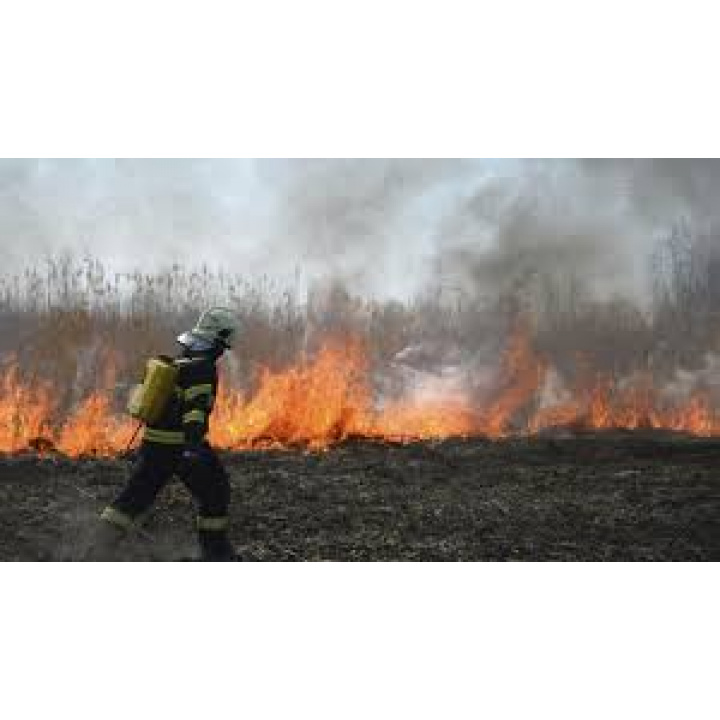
207, 481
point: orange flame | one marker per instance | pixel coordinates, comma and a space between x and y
25, 411
314, 403
522, 376
329, 397
93, 429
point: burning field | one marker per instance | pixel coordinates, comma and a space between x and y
538, 424
329, 398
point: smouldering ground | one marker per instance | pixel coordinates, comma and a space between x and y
604, 497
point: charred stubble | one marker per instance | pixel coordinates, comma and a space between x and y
600, 497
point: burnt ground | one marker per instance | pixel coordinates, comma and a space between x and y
612, 497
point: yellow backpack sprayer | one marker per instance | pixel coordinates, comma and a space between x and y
148, 400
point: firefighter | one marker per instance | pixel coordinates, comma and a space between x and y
176, 444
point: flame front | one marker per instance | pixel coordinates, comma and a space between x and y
329, 397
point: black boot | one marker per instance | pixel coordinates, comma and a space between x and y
215, 546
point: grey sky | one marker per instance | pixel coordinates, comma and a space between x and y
383, 225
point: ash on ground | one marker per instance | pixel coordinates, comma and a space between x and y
617, 496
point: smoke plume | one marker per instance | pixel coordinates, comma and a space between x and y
383, 227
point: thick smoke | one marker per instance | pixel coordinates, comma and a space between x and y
367, 223
595, 221
144, 214
383, 227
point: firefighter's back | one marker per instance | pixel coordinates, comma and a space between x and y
191, 400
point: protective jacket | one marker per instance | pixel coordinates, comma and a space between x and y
184, 421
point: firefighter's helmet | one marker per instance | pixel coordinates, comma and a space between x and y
216, 327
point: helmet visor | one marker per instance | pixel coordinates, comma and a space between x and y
195, 343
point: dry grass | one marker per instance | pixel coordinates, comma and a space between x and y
70, 320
